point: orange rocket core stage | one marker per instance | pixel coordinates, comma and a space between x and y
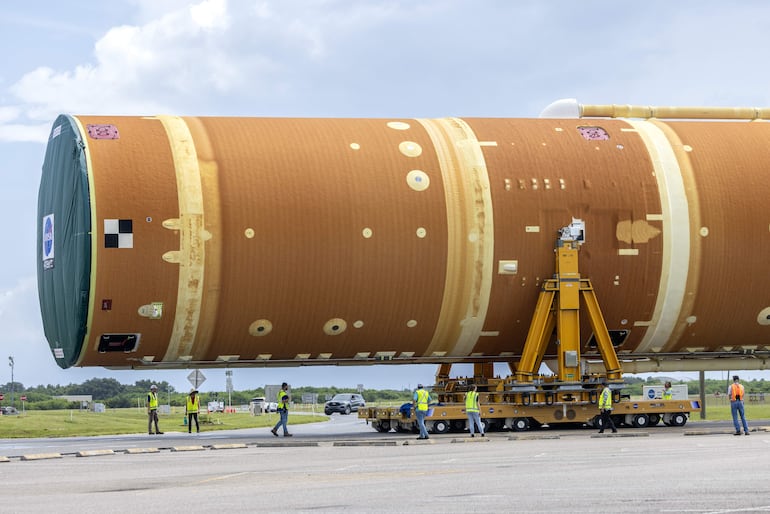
271, 241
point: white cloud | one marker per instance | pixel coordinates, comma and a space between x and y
211, 14
202, 54
15, 132
20, 311
9, 113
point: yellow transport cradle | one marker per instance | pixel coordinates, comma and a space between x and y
526, 398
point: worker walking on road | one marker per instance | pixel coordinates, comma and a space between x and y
193, 406
472, 410
605, 407
421, 400
736, 393
283, 411
152, 409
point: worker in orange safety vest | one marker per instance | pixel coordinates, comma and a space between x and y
736, 393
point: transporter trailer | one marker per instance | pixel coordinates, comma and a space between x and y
526, 399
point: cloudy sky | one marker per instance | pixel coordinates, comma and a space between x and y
333, 58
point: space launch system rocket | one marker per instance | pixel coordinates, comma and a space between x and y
179, 242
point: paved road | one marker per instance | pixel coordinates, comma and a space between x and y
344, 466
338, 428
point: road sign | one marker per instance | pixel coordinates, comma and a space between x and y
23, 398
2, 396
196, 378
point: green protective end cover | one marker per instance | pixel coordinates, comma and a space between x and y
64, 242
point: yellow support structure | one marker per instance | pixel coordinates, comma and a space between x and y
603, 341
558, 306
540, 330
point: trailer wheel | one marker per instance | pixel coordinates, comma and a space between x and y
486, 424
457, 425
382, 426
596, 422
440, 426
640, 420
678, 419
654, 419
520, 424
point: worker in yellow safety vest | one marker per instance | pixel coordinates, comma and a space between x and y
283, 411
736, 393
667, 392
605, 407
193, 406
421, 400
152, 409
472, 410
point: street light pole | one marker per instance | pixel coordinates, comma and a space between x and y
229, 385
10, 363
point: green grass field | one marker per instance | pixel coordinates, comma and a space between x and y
720, 410
67, 423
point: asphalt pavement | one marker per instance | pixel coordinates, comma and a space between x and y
345, 466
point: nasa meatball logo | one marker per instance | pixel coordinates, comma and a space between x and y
48, 242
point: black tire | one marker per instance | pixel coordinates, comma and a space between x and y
597, 422
328, 412
382, 426
520, 424
486, 424
347, 409
457, 425
678, 419
441, 426
640, 421
654, 419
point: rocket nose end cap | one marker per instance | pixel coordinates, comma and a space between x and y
564, 108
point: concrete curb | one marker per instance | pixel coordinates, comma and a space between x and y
722, 432
137, 451
533, 437
187, 448
41, 456
228, 446
419, 441
621, 434
708, 432
470, 440
94, 453
364, 443
286, 444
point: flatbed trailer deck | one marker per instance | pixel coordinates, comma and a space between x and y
506, 416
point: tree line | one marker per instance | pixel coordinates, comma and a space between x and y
114, 394
712, 386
